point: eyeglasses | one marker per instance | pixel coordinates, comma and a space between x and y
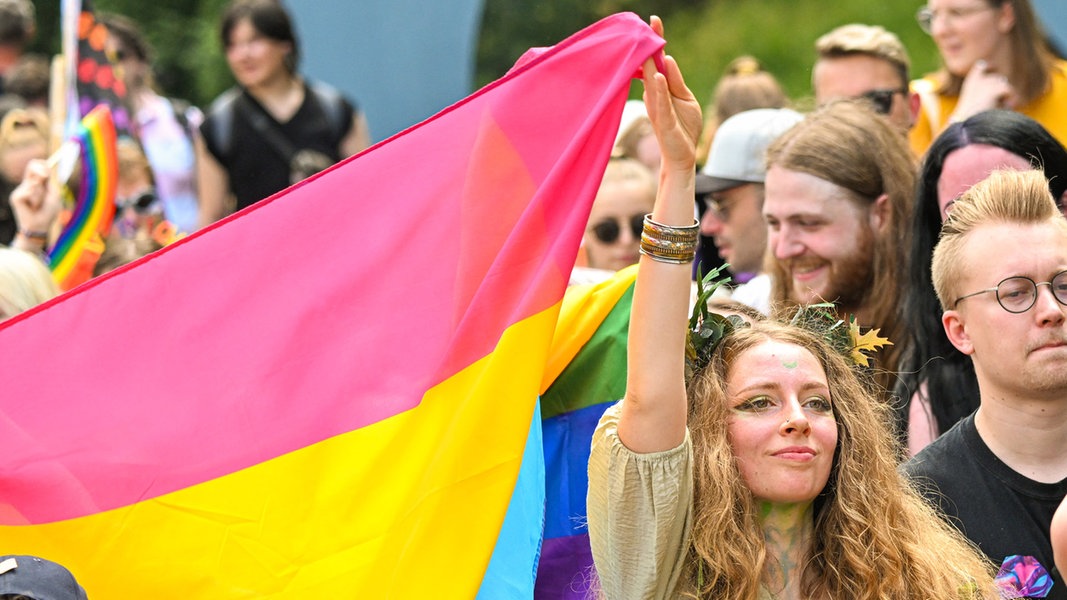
1018, 294
926, 15
718, 207
881, 100
608, 230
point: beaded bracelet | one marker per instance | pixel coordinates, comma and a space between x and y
668, 244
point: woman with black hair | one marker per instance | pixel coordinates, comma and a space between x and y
274, 128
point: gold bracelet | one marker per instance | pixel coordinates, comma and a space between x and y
664, 243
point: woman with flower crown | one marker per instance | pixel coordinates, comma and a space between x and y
771, 472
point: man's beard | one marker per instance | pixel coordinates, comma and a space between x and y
850, 278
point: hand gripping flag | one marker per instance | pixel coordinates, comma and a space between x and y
328, 394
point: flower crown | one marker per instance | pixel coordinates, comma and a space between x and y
707, 329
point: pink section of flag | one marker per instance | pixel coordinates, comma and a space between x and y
328, 307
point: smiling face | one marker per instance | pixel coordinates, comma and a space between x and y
821, 238
969, 165
254, 58
1015, 355
781, 425
966, 31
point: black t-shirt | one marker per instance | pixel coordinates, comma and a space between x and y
1001, 511
256, 170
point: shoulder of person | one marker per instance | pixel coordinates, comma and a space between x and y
339, 109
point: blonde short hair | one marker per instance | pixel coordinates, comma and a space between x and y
1006, 196
867, 40
25, 282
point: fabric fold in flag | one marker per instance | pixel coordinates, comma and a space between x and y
329, 393
585, 374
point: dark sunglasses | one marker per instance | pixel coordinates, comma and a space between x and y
139, 203
881, 100
608, 230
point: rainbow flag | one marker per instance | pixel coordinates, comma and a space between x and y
81, 241
585, 374
292, 402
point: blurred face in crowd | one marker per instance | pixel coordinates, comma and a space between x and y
966, 31
254, 58
822, 238
613, 235
734, 218
23, 139
967, 166
781, 425
855, 75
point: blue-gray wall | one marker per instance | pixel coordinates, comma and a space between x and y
1054, 15
400, 60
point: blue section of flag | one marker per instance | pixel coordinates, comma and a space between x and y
513, 566
566, 439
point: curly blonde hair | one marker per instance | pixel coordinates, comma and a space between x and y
875, 537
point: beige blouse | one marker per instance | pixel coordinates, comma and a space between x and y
640, 513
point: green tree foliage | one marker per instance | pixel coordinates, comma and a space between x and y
510, 27
704, 35
184, 34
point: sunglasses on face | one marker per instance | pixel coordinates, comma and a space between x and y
608, 230
139, 203
881, 100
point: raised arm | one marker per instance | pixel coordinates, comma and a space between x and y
213, 185
36, 206
653, 416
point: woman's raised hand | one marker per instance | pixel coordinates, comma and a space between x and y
673, 110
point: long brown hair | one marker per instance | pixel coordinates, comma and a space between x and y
853, 148
875, 537
1032, 62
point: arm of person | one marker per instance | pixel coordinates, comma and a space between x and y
358, 137
1059, 537
653, 412
36, 206
213, 185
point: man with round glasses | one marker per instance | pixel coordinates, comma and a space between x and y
1000, 271
869, 63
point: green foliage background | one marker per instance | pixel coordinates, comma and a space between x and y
704, 35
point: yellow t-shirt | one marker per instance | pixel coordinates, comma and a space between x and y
1049, 109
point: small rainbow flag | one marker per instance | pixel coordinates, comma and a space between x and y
585, 374
297, 405
81, 241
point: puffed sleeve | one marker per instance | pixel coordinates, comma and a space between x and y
640, 513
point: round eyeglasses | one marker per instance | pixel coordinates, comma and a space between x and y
1018, 294
926, 16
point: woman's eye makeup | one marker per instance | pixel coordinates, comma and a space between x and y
819, 403
755, 404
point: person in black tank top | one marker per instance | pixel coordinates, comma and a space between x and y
263, 134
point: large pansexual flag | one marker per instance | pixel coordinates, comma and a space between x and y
328, 394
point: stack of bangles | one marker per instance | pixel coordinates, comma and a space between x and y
664, 243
